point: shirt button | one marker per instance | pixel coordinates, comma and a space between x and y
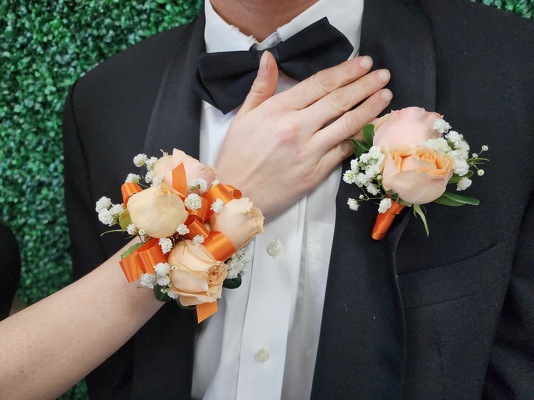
262, 355
274, 248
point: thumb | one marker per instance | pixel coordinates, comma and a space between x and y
264, 85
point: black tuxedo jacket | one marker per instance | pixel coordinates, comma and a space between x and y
449, 316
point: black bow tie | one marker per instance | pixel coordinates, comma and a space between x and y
225, 78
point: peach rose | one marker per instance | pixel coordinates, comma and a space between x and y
194, 169
239, 221
411, 125
157, 210
196, 276
418, 174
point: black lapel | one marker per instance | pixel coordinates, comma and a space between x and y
362, 347
175, 120
164, 346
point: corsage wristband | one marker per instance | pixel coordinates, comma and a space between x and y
192, 229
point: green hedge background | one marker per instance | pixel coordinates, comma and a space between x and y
46, 45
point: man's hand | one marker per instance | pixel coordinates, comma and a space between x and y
280, 147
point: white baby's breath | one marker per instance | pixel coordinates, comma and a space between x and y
163, 280
140, 160
237, 263
106, 217
156, 180
441, 126
198, 240
385, 204
103, 203
353, 204
217, 206
463, 184
148, 177
198, 184
133, 178
166, 245
182, 229
131, 229
150, 163
148, 280
172, 295
193, 202
162, 269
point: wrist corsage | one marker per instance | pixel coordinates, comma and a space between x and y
193, 230
407, 159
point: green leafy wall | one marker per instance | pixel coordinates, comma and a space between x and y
45, 46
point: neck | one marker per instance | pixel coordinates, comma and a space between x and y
259, 18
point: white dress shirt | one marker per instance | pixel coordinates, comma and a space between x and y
262, 343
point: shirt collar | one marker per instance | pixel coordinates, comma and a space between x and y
345, 15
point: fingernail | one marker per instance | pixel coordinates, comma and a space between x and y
384, 75
366, 62
264, 61
387, 94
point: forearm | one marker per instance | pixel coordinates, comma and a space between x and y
51, 345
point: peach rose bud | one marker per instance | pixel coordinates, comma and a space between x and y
418, 174
196, 276
157, 210
239, 221
411, 125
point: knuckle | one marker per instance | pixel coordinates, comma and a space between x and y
287, 134
325, 81
341, 100
349, 125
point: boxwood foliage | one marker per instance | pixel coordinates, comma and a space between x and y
46, 45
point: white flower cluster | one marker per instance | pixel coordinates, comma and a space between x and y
365, 172
159, 277
142, 160
441, 126
108, 213
133, 178
166, 245
193, 202
197, 184
385, 204
217, 206
454, 145
237, 263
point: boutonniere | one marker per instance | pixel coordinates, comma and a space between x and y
192, 229
407, 159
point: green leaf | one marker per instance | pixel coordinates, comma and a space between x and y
130, 250
124, 219
456, 200
184, 307
418, 211
359, 147
232, 283
368, 134
159, 295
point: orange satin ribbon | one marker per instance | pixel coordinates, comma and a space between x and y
206, 310
384, 221
128, 189
219, 246
142, 260
226, 193
179, 180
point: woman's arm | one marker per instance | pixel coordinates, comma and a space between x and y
54, 343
